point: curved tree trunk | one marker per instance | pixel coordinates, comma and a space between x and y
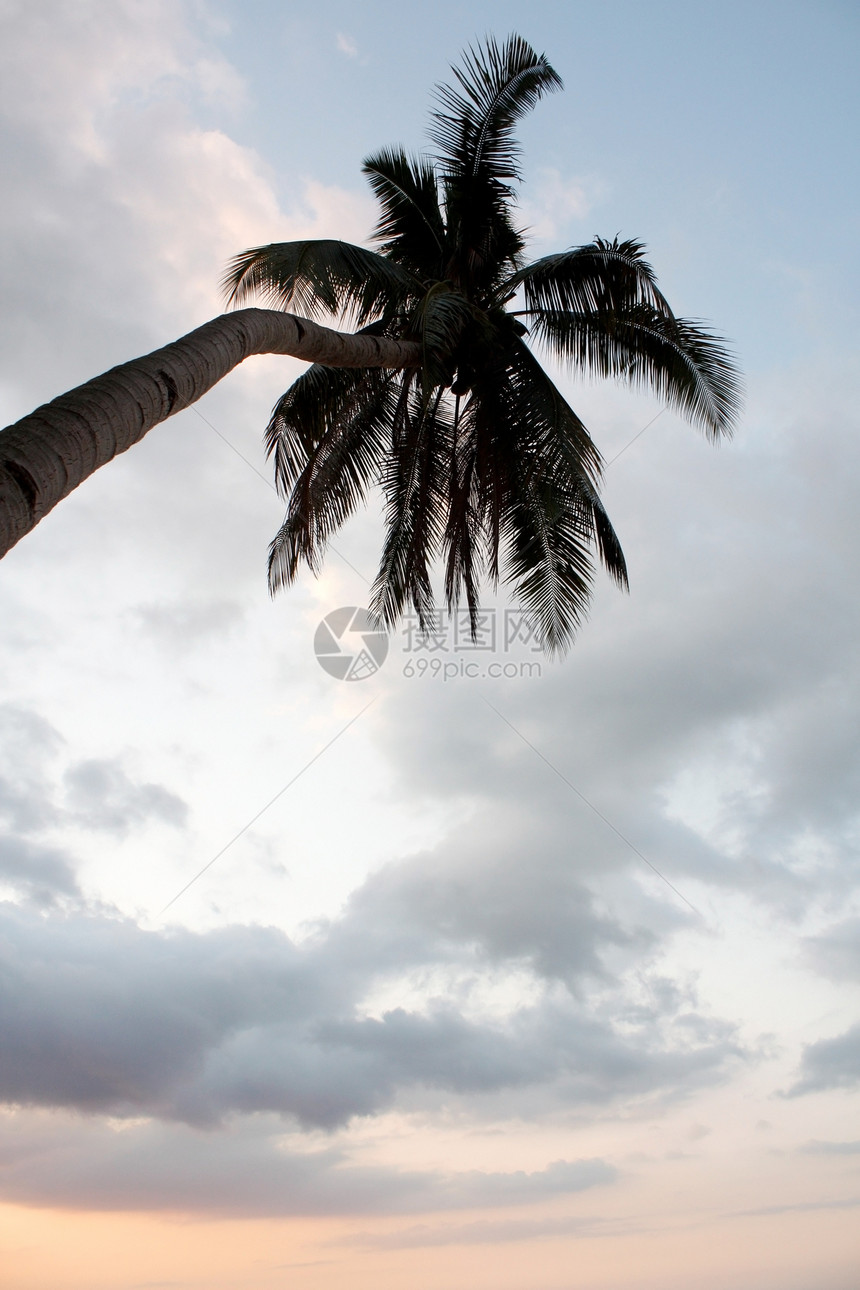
48, 453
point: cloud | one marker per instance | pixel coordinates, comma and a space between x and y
805, 1207
835, 952
36, 803
29, 743
183, 623
41, 873
521, 962
245, 1170
553, 202
346, 45
100, 795
479, 892
485, 1232
829, 1063
100, 1015
816, 1148
122, 210
709, 716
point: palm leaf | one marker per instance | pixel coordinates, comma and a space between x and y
480, 458
329, 461
537, 470
411, 228
473, 125
320, 276
548, 558
441, 321
691, 369
602, 277
415, 482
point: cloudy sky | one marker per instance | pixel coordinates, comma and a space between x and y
546, 977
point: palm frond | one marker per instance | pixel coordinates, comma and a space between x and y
603, 276
320, 276
548, 562
480, 459
473, 124
441, 320
303, 415
537, 469
415, 481
568, 455
486, 245
548, 426
464, 540
411, 228
326, 460
606, 539
688, 367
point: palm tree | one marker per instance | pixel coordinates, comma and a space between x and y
481, 460
438, 398
47, 454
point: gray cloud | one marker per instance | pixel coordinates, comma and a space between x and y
28, 745
712, 716
829, 1063
102, 1016
42, 873
37, 800
816, 1148
506, 885
836, 951
245, 1170
187, 623
100, 795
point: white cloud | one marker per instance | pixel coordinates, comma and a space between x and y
554, 205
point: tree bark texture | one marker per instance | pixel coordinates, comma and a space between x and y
48, 453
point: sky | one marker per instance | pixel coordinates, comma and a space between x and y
484, 970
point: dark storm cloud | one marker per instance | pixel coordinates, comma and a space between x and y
101, 1016
829, 1063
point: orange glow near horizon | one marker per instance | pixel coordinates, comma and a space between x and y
47, 1249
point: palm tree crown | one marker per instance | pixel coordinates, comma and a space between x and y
482, 462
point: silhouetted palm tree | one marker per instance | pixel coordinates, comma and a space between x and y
481, 459
437, 398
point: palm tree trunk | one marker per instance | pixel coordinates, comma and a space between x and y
48, 453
